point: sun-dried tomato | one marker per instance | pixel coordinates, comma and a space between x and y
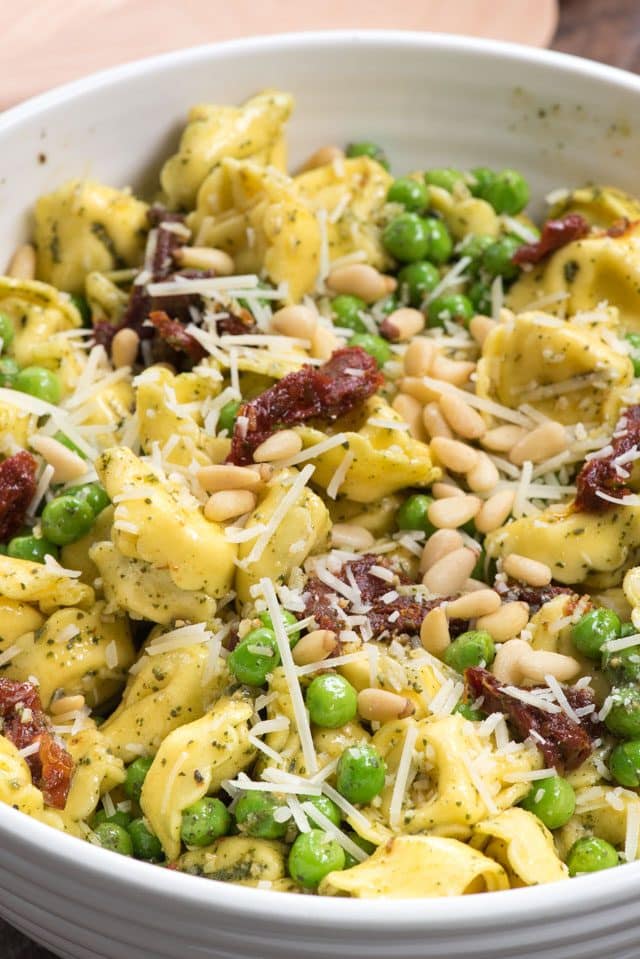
174, 333
328, 391
17, 486
564, 743
534, 596
555, 234
402, 616
24, 722
620, 227
602, 474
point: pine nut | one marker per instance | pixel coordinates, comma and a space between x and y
543, 442
456, 372
483, 476
22, 265
298, 321
480, 327
495, 511
66, 704
280, 446
502, 438
322, 157
454, 511
351, 536
506, 622
480, 602
446, 490
410, 410
473, 585
526, 570
314, 647
418, 356
378, 705
449, 574
454, 455
226, 476
124, 348
264, 470
434, 422
402, 324
538, 664
361, 280
416, 386
205, 258
507, 664
67, 465
461, 417
440, 543
434, 632
324, 342
229, 504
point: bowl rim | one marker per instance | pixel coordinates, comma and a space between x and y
468, 914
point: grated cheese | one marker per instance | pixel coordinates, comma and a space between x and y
452, 278
311, 452
402, 778
329, 663
531, 699
9, 654
476, 778
339, 476
354, 817
180, 638
632, 831
530, 776
332, 830
497, 298
478, 402
614, 645
284, 506
111, 655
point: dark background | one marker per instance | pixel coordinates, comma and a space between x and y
606, 30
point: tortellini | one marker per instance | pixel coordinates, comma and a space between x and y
192, 761
465, 214
529, 358
97, 771
240, 859
85, 226
601, 206
47, 586
522, 845
18, 791
214, 133
385, 457
256, 214
416, 867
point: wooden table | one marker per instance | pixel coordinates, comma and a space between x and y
606, 30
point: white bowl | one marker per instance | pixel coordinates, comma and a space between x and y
429, 100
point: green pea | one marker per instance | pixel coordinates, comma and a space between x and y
468, 712
254, 815
387, 305
136, 775
473, 648
346, 312
497, 258
32, 548
407, 238
552, 800
366, 148
440, 245
114, 837
227, 417
360, 774
39, 382
480, 180
624, 763
206, 820
64, 439
507, 192
313, 856
623, 664
450, 307
92, 493
9, 369
146, 845
474, 246
331, 701
83, 308
623, 719
413, 514
255, 657
412, 194
262, 300
417, 280
595, 629
65, 519
633, 339
119, 817
7, 330
289, 621
368, 847
326, 806
374, 345
627, 629
591, 854
445, 177
480, 296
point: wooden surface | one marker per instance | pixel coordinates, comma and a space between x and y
606, 30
